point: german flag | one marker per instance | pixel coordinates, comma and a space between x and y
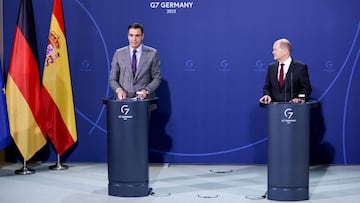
57, 90
23, 90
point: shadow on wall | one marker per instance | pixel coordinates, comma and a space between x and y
259, 117
321, 152
13, 155
159, 141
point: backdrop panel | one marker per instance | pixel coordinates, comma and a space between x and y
214, 57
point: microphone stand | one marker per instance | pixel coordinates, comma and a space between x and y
291, 86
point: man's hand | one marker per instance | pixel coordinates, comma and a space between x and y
265, 99
297, 100
142, 94
121, 94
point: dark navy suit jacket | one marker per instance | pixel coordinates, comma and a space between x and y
296, 82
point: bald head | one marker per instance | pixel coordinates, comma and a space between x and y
281, 49
284, 44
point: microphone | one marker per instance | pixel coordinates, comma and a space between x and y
291, 85
285, 100
291, 88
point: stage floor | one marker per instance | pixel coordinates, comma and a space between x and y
87, 182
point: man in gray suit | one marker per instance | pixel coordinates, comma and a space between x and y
135, 69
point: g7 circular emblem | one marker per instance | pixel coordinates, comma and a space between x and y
288, 113
124, 109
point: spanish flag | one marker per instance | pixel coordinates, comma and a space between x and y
23, 91
56, 89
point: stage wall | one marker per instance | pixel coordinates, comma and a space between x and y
214, 56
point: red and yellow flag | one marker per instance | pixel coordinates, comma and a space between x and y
23, 91
57, 90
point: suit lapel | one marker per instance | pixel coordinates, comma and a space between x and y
143, 58
290, 70
128, 63
276, 69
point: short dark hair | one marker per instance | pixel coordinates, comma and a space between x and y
136, 26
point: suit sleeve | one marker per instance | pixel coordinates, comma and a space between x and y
305, 82
267, 85
114, 73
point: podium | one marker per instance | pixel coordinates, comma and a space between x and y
127, 140
288, 151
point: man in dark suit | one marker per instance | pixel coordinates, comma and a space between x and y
292, 83
135, 69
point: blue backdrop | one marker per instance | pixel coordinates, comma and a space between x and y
214, 56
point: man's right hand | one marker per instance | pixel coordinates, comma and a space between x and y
265, 99
121, 94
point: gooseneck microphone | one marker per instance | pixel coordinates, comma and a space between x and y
291, 86
285, 99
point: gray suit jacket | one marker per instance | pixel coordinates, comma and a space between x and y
148, 75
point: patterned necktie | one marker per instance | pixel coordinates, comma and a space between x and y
134, 62
281, 76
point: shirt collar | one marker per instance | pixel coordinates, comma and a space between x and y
138, 50
287, 62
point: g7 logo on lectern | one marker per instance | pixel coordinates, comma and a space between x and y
288, 113
124, 110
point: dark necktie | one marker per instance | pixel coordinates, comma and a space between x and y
281, 76
134, 62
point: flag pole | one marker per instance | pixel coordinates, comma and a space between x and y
58, 166
25, 170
